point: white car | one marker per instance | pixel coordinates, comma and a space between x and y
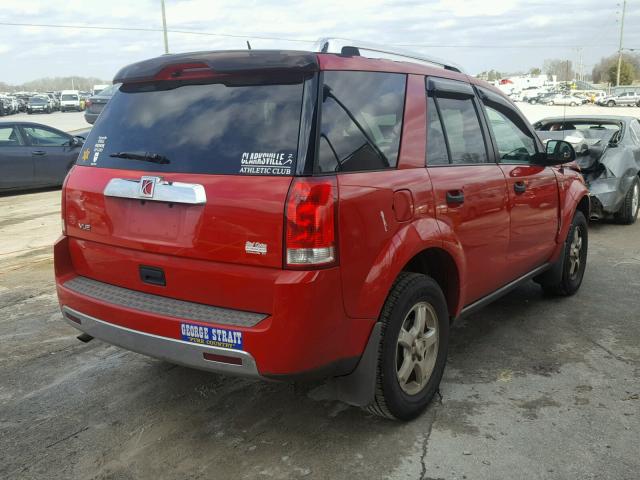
562, 99
70, 100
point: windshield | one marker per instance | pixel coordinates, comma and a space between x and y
208, 128
69, 97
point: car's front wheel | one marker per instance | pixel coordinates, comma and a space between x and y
611, 103
628, 213
572, 263
413, 347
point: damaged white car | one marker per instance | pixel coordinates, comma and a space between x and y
608, 154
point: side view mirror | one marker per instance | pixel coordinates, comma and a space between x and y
76, 141
559, 152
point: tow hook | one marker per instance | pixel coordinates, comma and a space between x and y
84, 337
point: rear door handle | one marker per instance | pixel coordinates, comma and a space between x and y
38, 152
520, 187
455, 197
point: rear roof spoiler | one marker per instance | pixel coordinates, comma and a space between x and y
225, 62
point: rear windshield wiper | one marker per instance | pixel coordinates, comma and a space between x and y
144, 156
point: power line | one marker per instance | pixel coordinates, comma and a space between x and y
264, 37
146, 29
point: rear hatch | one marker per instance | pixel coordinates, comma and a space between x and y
196, 165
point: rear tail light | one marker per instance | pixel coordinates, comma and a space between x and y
311, 222
87, 103
63, 201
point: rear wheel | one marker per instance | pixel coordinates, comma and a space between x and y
574, 260
611, 103
413, 347
628, 213
573, 104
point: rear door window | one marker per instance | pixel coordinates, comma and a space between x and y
10, 136
463, 131
243, 126
361, 121
436, 144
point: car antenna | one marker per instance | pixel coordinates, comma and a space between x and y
248, 45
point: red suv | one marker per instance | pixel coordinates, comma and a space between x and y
294, 215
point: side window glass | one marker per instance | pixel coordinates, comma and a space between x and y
44, 138
361, 121
515, 145
462, 127
436, 144
10, 137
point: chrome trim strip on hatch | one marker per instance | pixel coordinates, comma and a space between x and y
164, 348
163, 191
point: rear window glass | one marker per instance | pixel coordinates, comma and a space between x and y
239, 128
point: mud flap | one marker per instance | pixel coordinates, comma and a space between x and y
553, 275
357, 388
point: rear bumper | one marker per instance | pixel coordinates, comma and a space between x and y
169, 349
91, 117
304, 332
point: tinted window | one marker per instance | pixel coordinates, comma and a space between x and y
69, 97
361, 121
44, 137
436, 144
10, 137
462, 127
244, 127
514, 141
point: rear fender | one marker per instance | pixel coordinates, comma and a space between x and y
409, 241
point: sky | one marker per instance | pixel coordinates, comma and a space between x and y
506, 35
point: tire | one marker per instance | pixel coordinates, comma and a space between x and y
571, 278
411, 294
551, 103
611, 103
533, 101
573, 104
628, 212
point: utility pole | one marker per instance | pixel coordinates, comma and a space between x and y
164, 29
624, 8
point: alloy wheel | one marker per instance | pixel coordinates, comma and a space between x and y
417, 348
575, 251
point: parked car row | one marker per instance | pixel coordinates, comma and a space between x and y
43, 102
628, 98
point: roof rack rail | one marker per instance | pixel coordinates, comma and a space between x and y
344, 46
